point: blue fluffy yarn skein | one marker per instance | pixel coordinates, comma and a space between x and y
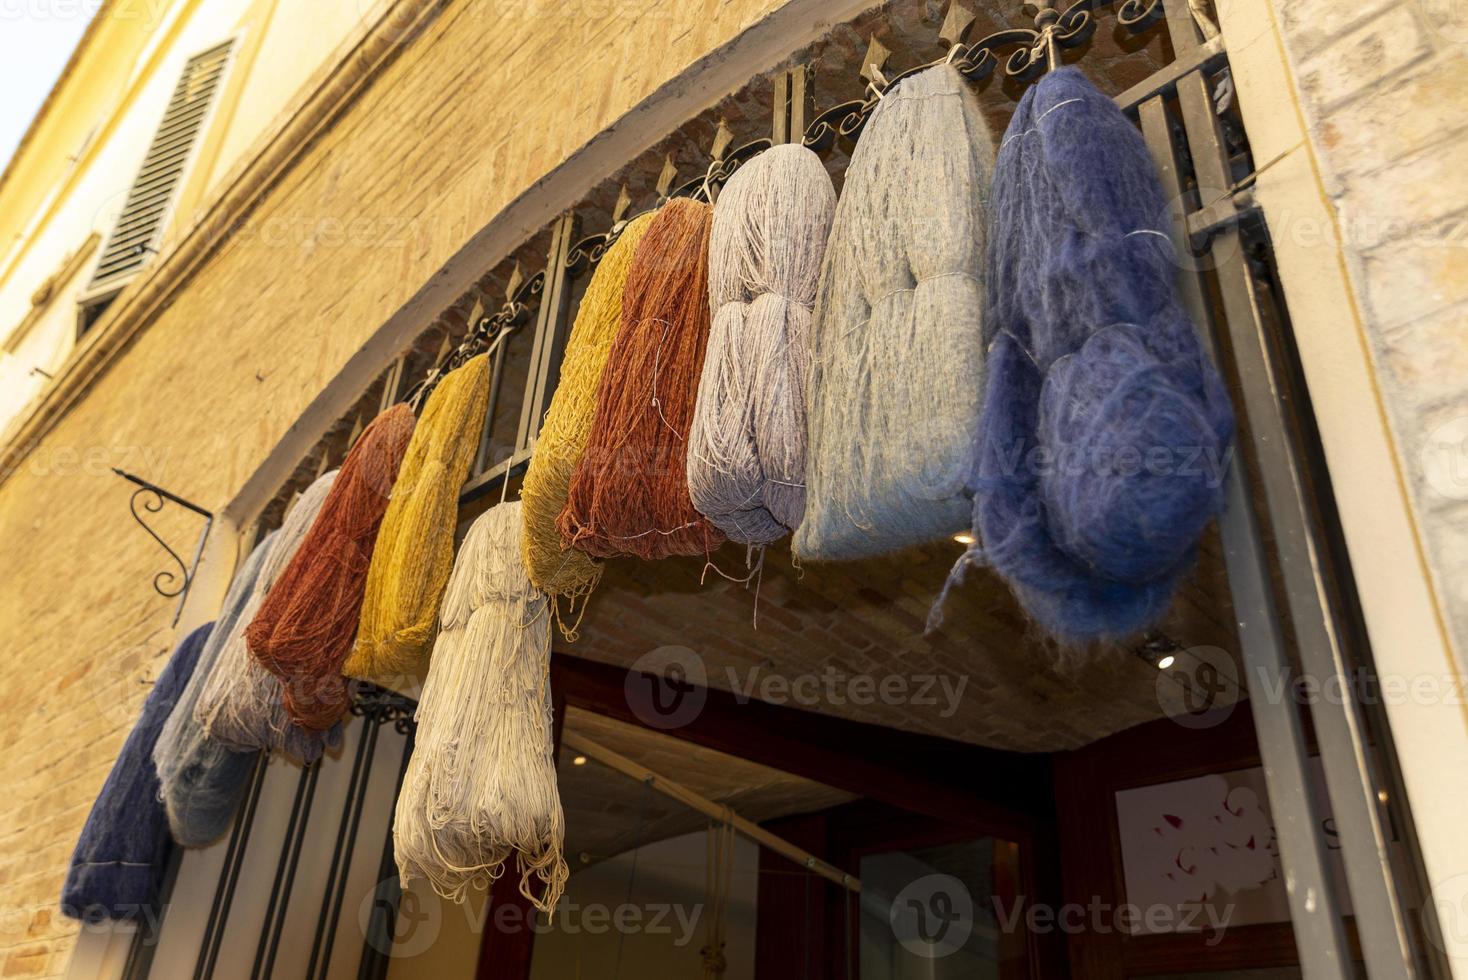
117, 868
1106, 428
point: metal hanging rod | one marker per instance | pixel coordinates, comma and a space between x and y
708, 807
1025, 53
152, 498
586, 253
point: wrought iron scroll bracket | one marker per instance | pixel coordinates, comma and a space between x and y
381, 706
151, 498
485, 332
1024, 52
706, 185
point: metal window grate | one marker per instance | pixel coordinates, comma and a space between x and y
148, 200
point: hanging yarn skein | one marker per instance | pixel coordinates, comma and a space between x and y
200, 778
554, 568
746, 445
629, 494
305, 627
897, 354
481, 783
242, 702
1094, 369
415, 544
117, 868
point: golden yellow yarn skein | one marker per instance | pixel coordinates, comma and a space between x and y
553, 569
415, 544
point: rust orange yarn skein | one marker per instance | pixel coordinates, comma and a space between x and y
305, 628
629, 495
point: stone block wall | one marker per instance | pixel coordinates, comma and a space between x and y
1384, 93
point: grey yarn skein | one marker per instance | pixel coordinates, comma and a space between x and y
897, 351
241, 702
746, 446
200, 778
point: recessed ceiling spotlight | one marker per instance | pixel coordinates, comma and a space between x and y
580, 760
964, 538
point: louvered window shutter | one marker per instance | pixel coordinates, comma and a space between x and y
152, 193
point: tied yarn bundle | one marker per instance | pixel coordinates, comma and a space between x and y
200, 778
1095, 370
305, 627
117, 867
415, 544
897, 353
242, 702
629, 494
481, 783
554, 568
746, 451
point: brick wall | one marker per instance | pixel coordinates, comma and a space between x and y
437, 145
1384, 93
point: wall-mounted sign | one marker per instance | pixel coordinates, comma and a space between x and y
1201, 853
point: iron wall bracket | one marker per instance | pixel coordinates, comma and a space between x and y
151, 498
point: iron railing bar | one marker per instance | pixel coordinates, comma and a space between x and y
496, 385
537, 342
483, 483
550, 334
1157, 134
392, 384
1205, 57
1319, 930
1339, 729
549, 320
341, 856
145, 939
1182, 29
285, 873
378, 936
780, 127
234, 857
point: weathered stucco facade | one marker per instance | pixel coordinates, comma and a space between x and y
441, 135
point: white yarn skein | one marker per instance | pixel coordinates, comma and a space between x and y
746, 446
240, 703
481, 784
897, 352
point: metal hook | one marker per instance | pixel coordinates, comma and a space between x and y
1046, 17
871, 67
